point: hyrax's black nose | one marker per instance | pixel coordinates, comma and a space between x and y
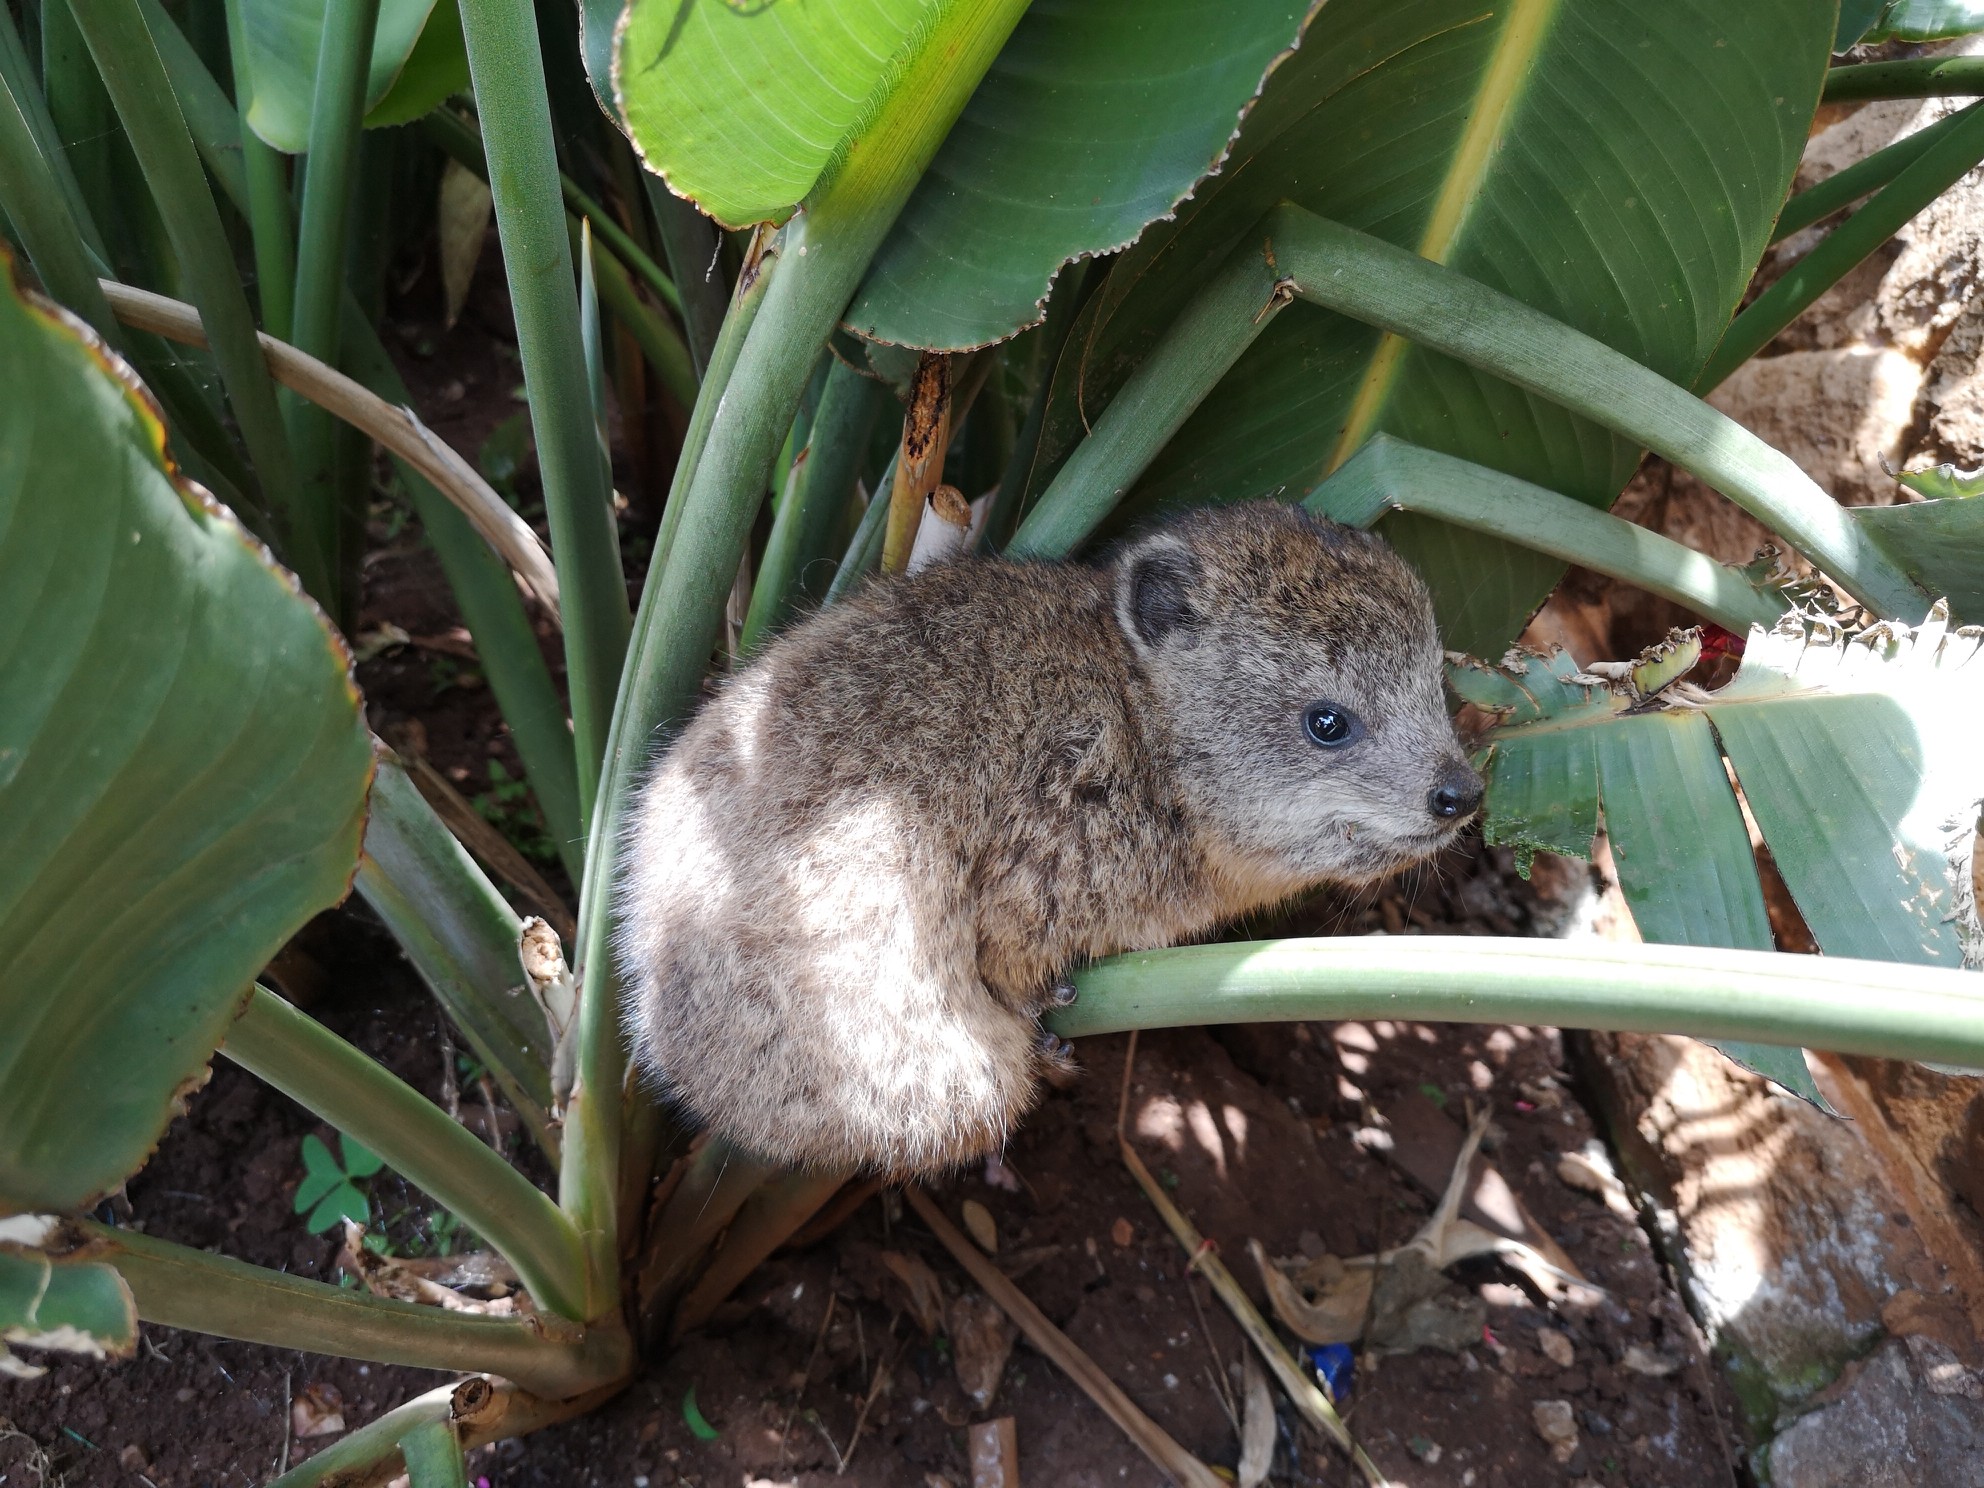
1457, 794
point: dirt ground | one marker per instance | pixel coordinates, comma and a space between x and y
1308, 1138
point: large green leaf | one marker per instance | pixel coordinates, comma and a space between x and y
282, 37
1858, 758
77, 1307
1616, 165
742, 108
1940, 544
183, 767
1097, 117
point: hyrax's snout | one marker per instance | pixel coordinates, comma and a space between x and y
1457, 792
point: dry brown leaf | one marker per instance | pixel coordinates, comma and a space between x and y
1336, 1316
926, 1297
1257, 1426
978, 1224
464, 223
317, 1411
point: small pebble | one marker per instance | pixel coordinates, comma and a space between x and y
1557, 1423
1556, 1347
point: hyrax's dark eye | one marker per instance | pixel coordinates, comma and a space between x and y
1330, 727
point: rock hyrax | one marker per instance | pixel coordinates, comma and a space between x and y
863, 872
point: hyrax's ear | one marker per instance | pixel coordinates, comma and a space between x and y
1154, 591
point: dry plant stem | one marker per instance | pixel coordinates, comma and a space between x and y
1151, 1439
714, 1186
945, 531
765, 1222
398, 429
1302, 1391
926, 437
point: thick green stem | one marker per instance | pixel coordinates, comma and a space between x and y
1862, 178
136, 79
433, 1454
373, 1442
1918, 183
1198, 349
839, 438
1882, 1008
1390, 475
440, 1156
690, 241
179, 1287
1371, 280
824, 252
268, 197
1921, 77
507, 65
344, 56
461, 935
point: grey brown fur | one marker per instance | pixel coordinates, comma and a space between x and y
855, 882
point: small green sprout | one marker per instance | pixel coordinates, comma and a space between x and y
331, 1190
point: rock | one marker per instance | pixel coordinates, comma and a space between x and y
1556, 1347
982, 1338
1838, 412
1643, 1360
1778, 1215
1557, 1424
1887, 1429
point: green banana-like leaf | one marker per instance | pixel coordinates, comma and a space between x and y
1939, 543
1097, 117
1856, 754
1856, 19
1616, 165
742, 108
1924, 20
183, 766
75, 1307
282, 38
435, 71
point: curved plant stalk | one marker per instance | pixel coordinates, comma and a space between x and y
398, 429
432, 1451
718, 1181
1200, 348
1938, 167
1364, 277
1862, 178
1921, 77
1883, 1008
507, 65
357, 1095
139, 88
848, 409
1388, 474
344, 55
179, 1287
462, 937
481, 1409
269, 223
1368, 279
824, 251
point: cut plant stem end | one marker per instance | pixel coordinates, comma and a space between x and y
1881, 1008
926, 438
